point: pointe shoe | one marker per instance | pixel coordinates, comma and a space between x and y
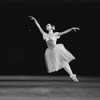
74, 78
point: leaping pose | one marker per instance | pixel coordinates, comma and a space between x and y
56, 55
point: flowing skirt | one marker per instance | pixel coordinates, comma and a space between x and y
56, 58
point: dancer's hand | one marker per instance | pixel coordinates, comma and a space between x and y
32, 18
75, 28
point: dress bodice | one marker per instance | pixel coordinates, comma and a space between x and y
51, 41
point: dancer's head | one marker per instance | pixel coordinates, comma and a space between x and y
50, 27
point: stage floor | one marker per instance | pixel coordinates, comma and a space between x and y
49, 88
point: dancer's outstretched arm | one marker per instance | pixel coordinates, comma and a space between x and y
68, 30
39, 27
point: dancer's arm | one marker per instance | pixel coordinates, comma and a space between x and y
67, 31
37, 24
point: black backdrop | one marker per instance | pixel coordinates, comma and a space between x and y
22, 47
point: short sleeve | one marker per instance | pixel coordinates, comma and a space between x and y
56, 35
45, 36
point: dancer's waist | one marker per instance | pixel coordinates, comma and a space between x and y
51, 44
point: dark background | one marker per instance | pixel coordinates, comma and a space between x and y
22, 47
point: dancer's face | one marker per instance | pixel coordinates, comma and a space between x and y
49, 27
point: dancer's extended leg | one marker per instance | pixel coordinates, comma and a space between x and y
68, 69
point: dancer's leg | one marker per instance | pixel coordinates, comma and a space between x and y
68, 69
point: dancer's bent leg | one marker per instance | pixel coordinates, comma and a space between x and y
68, 69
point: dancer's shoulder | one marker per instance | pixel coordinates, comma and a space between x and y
57, 35
45, 36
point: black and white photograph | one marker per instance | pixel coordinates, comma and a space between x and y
49, 49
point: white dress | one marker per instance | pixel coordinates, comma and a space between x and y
56, 55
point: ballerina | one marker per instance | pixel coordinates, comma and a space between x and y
56, 55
